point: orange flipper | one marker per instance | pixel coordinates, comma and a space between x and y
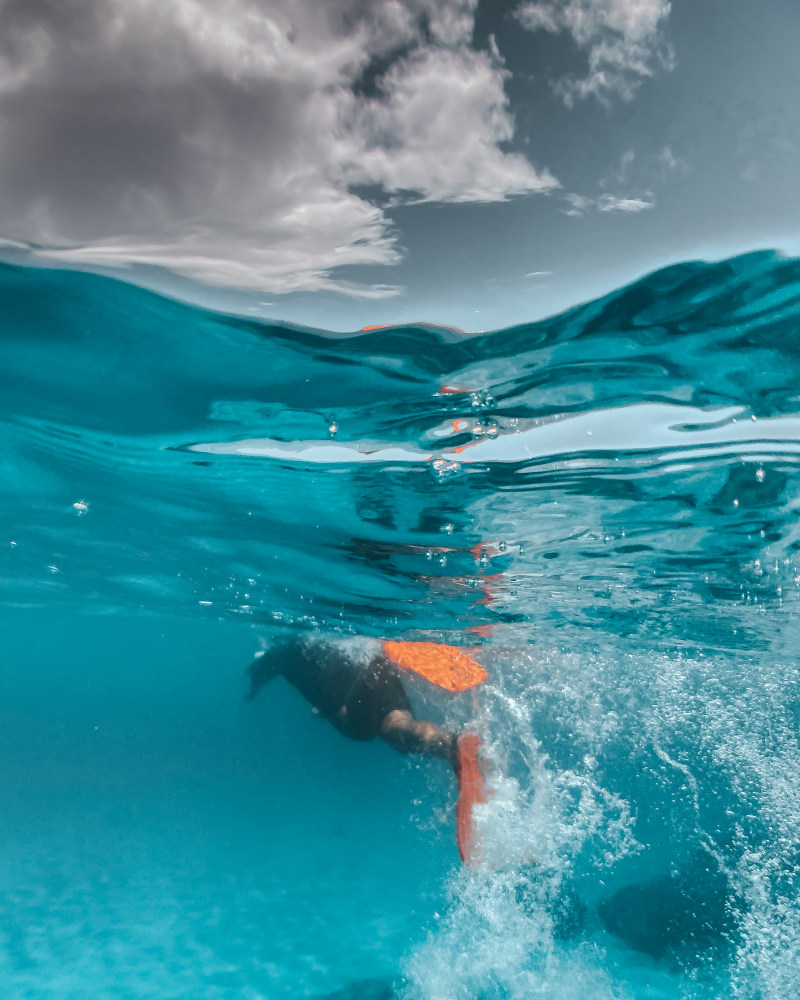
448, 666
471, 791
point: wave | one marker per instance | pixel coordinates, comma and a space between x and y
163, 453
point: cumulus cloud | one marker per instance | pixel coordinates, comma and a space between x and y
421, 136
621, 38
233, 140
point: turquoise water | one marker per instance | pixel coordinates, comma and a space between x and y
605, 503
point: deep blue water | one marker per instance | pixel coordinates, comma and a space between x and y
605, 502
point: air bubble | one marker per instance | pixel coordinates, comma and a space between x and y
760, 474
333, 429
444, 470
448, 528
80, 506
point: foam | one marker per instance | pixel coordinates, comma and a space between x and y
707, 828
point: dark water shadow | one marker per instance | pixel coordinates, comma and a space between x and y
362, 989
689, 917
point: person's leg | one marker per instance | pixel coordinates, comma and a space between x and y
379, 706
409, 735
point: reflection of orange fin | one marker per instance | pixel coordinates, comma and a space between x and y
448, 666
470, 793
483, 631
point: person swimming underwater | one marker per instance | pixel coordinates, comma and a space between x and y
357, 688
356, 685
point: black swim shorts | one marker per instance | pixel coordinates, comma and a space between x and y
377, 692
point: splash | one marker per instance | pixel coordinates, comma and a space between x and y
639, 840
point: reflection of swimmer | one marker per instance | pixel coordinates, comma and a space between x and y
358, 688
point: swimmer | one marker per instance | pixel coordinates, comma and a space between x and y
356, 685
356, 688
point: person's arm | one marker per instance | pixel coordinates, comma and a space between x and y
261, 671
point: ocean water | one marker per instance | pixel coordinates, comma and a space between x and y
604, 504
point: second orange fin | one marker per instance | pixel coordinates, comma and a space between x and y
471, 792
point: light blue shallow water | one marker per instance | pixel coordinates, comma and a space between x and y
605, 503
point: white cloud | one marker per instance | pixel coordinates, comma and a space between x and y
627, 186
613, 203
621, 38
225, 138
579, 204
421, 136
668, 165
668, 160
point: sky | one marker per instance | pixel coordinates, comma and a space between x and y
475, 163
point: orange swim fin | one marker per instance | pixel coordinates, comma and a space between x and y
448, 666
471, 791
